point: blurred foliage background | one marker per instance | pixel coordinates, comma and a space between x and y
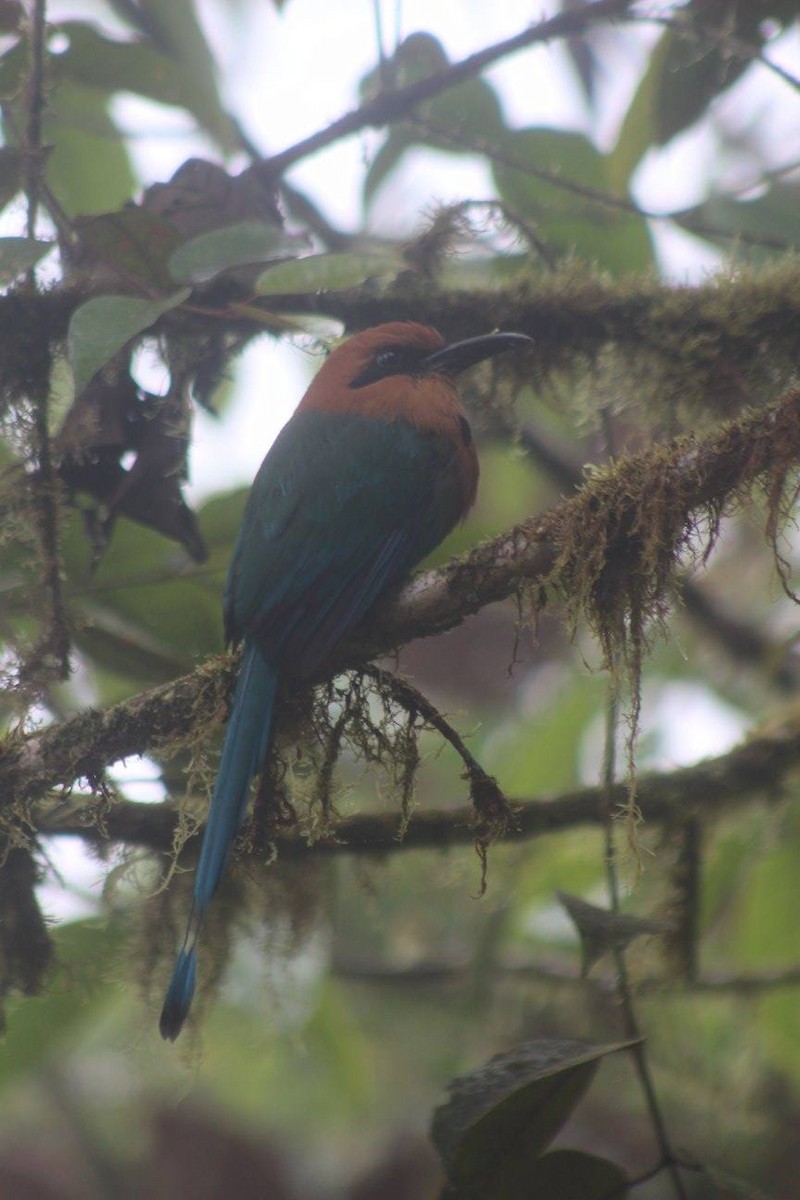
358, 985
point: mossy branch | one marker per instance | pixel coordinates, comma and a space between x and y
609, 552
712, 346
762, 766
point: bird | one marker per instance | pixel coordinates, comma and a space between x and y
372, 471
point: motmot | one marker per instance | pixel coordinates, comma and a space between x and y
372, 471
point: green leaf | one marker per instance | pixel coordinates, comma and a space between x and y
145, 615
686, 74
417, 57
128, 654
153, 629
470, 113
101, 327
687, 81
181, 35
94, 67
637, 132
220, 518
501, 1117
765, 938
95, 61
140, 67
131, 242
179, 617
87, 167
87, 953
327, 273
600, 930
202, 257
567, 221
544, 758
572, 1175
458, 118
17, 254
88, 170
728, 864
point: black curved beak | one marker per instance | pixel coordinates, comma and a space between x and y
457, 357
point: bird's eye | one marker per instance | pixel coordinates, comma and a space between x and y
386, 361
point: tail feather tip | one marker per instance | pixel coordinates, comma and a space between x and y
179, 995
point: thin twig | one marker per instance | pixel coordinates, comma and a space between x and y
492, 814
35, 109
45, 193
438, 971
630, 1022
414, 701
393, 105
728, 44
52, 653
502, 158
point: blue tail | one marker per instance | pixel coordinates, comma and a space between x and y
244, 752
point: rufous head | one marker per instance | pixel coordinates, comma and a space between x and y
369, 369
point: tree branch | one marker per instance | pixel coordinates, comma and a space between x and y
444, 972
691, 29
51, 656
695, 333
594, 195
391, 106
542, 550
33, 155
743, 641
759, 767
